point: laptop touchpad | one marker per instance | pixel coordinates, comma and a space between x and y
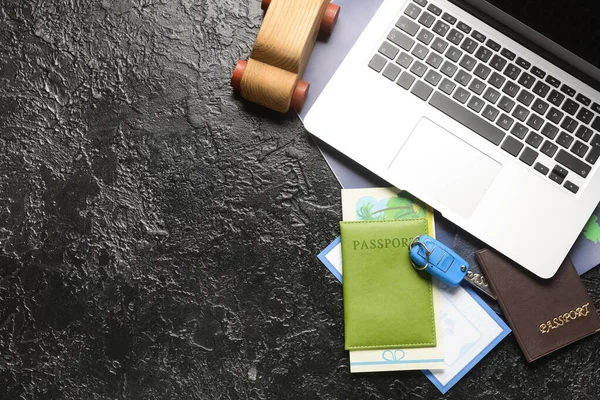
444, 170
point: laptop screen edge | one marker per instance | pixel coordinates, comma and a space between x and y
584, 70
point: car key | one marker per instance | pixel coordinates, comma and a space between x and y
437, 259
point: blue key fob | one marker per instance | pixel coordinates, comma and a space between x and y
437, 259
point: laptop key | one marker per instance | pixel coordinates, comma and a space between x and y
549, 148
412, 11
535, 122
534, 140
477, 86
448, 69
475, 104
468, 62
493, 45
568, 90
497, 80
491, 95
585, 115
538, 72
553, 81
434, 9
469, 46
594, 153
434, 60
542, 169
447, 86
508, 54
455, 36
570, 107
540, 106
541, 89
422, 90
558, 174
520, 113
427, 19
528, 156
554, 115
506, 104
571, 187
461, 95
404, 60
449, 18
441, 28
472, 121
463, 77
420, 51
569, 124
388, 50
505, 122
405, 80
512, 146
422, 3
480, 37
596, 124
433, 77
564, 139
377, 63
584, 133
454, 54
523, 63
573, 163
482, 71
407, 25
483, 53
391, 71
425, 36
464, 27
525, 97
583, 100
498, 63
418, 69
490, 113
527, 80
400, 39
519, 130
579, 148
511, 89
439, 45
549, 130
556, 98
512, 71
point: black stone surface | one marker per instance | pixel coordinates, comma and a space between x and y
158, 236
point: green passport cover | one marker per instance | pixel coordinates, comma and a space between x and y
387, 303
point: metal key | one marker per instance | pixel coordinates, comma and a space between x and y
437, 259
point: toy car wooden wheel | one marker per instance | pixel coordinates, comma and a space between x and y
272, 76
327, 23
299, 93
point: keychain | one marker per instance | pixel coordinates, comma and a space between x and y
437, 259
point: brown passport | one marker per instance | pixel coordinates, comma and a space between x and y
544, 314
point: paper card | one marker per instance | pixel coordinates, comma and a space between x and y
585, 253
386, 204
470, 329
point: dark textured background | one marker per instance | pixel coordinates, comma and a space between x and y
158, 236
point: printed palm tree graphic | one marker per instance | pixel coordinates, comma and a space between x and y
402, 206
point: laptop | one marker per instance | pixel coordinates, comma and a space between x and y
487, 110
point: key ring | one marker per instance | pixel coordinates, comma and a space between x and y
412, 244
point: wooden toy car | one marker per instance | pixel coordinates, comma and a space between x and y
272, 76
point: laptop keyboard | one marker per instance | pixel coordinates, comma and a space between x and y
493, 91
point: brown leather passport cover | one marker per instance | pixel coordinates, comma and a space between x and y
544, 314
